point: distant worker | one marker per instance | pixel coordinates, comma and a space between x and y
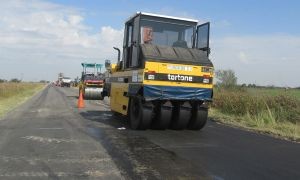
147, 35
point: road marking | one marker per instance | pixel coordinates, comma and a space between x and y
58, 174
61, 160
48, 140
51, 128
106, 114
202, 145
40, 110
106, 105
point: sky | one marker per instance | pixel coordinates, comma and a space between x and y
258, 39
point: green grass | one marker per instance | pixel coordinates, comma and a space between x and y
274, 111
13, 94
275, 91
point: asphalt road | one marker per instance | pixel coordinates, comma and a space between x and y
49, 138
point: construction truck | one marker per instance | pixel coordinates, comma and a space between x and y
165, 77
66, 82
92, 79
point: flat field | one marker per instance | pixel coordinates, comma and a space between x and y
274, 111
275, 91
13, 94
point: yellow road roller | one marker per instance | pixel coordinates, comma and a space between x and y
165, 77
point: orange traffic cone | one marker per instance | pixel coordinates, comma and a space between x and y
80, 102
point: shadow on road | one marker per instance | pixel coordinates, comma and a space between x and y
106, 117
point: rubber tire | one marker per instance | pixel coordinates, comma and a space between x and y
162, 117
198, 119
140, 116
180, 117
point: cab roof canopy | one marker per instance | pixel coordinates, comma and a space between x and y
162, 16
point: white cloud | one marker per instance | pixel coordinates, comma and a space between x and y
263, 59
242, 57
39, 39
75, 19
109, 37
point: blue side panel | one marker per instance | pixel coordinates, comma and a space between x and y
179, 93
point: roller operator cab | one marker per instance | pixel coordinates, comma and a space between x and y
164, 79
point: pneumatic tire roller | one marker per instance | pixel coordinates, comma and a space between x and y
165, 77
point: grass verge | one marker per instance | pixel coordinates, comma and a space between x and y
275, 114
14, 94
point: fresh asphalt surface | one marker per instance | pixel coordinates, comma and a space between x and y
49, 138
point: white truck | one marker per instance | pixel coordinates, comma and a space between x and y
66, 82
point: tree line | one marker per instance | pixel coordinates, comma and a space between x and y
15, 80
227, 79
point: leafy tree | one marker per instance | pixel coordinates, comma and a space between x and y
226, 78
15, 80
252, 85
43, 81
2, 80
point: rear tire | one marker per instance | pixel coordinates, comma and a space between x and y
199, 118
140, 115
180, 116
162, 116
